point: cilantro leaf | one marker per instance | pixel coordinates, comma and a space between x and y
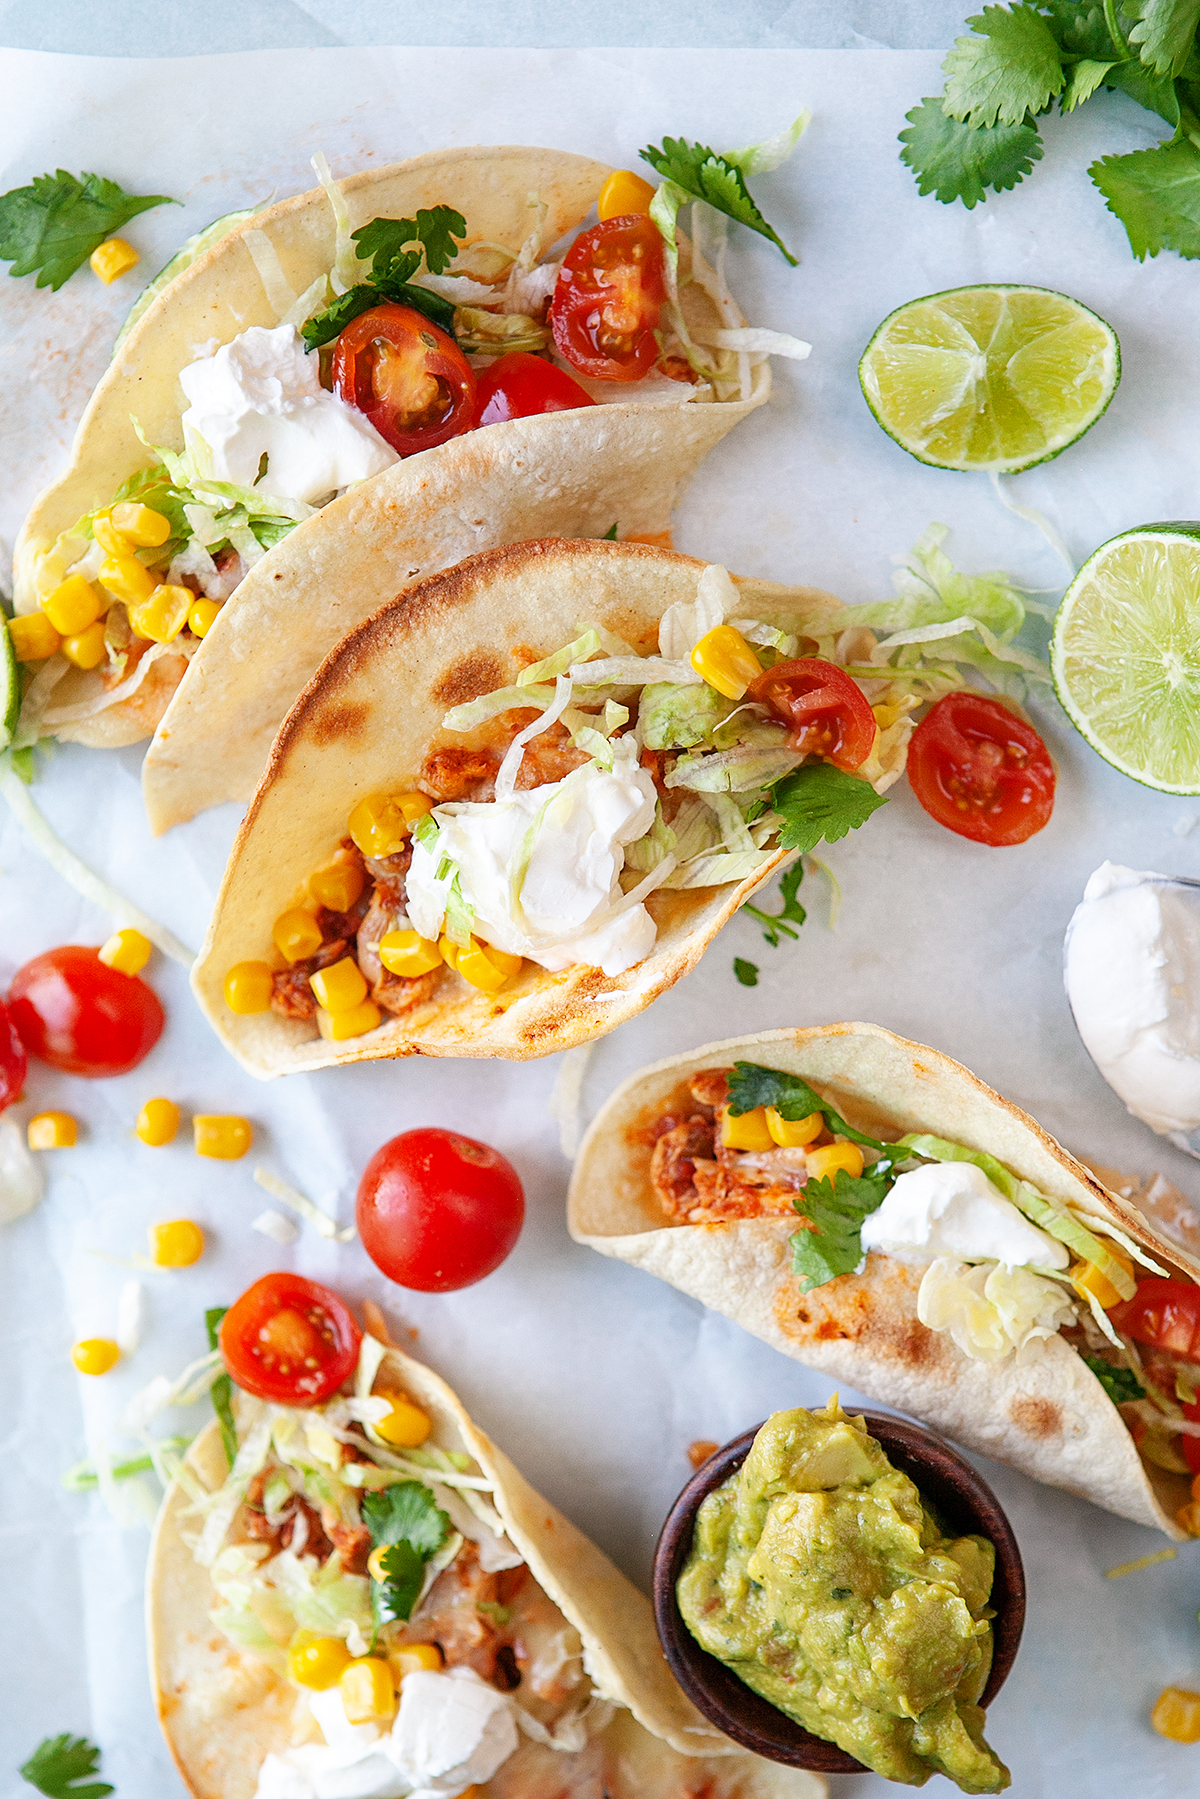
406, 1519
1156, 195
1010, 66
382, 242
956, 162
773, 923
707, 176
54, 224
404, 1568
1165, 32
324, 326
821, 801
1081, 28
221, 1391
834, 1211
746, 972
1086, 77
59, 1763
610, 536
1120, 1384
1157, 93
751, 1085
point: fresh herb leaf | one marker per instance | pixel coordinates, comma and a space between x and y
324, 326
707, 176
957, 163
1156, 195
59, 1763
408, 1520
383, 241
834, 1211
1165, 33
751, 1085
746, 972
55, 223
1081, 29
1120, 1384
821, 801
1155, 92
1085, 78
610, 536
221, 1391
397, 1594
1009, 67
773, 923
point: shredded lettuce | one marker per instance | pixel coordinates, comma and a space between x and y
347, 269
675, 717
733, 771
683, 624
990, 1310
550, 667
715, 871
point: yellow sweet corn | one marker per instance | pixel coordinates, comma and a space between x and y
826, 1162
356, 1021
1176, 1715
33, 637
176, 1244
380, 823
409, 954
406, 1425
749, 1130
315, 1661
1188, 1518
296, 934
109, 536
449, 951
414, 1658
126, 951
623, 193
113, 258
248, 988
95, 1355
224, 1138
127, 579
1087, 1278
140, 524
73, 606
157, 1122
52, 1130
162, 617
202, 615
726, 661
368, 1696
486, 967
86, 649
340, 987
793, 1133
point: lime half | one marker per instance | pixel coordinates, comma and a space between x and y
1126, 654
994, 378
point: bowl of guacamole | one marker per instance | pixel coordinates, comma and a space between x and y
842, 1593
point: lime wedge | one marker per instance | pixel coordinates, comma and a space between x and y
993, 378
10, 686
1126, 654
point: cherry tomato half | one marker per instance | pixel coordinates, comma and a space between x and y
13, 1060
1163, 1314
79, 1015
608, 297
410, 379
519, 386
981, 771
289, 1340
437, 1211
824, 708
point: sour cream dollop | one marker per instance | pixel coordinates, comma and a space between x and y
261, 395
1132, 970
952, 1209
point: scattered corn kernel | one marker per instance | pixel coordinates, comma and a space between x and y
176, 1244
1087, 1279
73, 606
95, 1355
86, 649
623, 193
140, 524
406, 1425
126, 951
296, 934
315, 1661
109, 536
338, 886
248, 987
409, 954
157, 1122
356, 1021
826, 1162
368, 1696
224, 1138
162, 617
33, 637
1176, 1715
725, 660
486, 967
748, 1130
449, 951
414, 1658
202, 616
340, 987
700, 1450
792, 1133
113, 258
380, 823
52, 1130
127, 579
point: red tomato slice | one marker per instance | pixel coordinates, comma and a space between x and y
410, 379
825, 709
1164, 1314
981, 771
437, 1211
519, 386
289, 1340
79, 1015
608, 297
13, 1060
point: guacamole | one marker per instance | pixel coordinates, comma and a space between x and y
820, 1578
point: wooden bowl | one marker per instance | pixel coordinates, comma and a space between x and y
966, 1506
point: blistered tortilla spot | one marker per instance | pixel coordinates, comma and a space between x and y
1035, 1416
471, 676
337, 722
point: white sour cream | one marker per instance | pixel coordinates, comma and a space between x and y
1132, 970
261, 395
952, 1209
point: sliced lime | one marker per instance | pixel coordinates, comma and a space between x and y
10, 686
993, 378
1126, 654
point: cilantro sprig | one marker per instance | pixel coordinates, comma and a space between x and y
407, 1522
1121, 1384
55, 223
776, 925
819, 802
834, 1212
395, 249
221, 1391
717, 179
59, 1764
751, 1085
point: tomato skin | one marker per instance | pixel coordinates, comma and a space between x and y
1163, 1314
608, 298
981, 771
14, 1062
827, 712
438, 1211
520, 386
79, 1015
291, 1309
410, 379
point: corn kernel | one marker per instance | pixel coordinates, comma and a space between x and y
113, 258
1176, 1715
73, 606
95, 1355
1087, 1279
296, 934
380, 823
449, 951
315, 1661
406, 1425
202, 616
52, 1130
338, 886
86, 649
248, 988
725, 660
1188, 1518
140, 524
356, 1021
484, 967
623, 193
157, 1122
176, 1244
409, 954
414, 1658
746, 1131
109, 536
368, 1696
225, 1139
33, 637
823, 1163
126, 951
340, 987
127, 579
793, 1133
508, 965
162, 617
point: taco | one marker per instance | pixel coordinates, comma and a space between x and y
951, 1258
378, 1541
519, 803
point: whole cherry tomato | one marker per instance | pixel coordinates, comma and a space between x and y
608, 298
13, 1060
981, 771
79, 1015
824, 708
289, 1340
519, 386
437, 1211
410, 379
